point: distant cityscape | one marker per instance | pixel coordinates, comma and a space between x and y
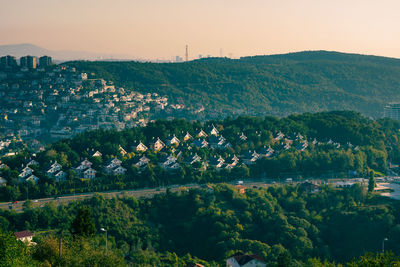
42, 102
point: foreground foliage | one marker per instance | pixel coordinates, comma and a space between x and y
281, 224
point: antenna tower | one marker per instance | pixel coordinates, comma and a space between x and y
187, 53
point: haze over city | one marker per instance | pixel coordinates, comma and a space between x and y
161, 29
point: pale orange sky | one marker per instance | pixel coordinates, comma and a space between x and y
161, 28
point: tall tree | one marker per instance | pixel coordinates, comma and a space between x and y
371, 182
83, 224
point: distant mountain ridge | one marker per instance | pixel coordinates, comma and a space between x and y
310, 81
19, 50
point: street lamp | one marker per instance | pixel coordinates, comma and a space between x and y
383, 244
104, 230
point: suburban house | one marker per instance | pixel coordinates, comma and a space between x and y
53, 169
32, 178
192, 159
232, 161
214, 131
216, 162
201, 133
157, 145
60, 176
97, 154
173, 141
118, 170
139, 147
279, 136
84, 170
250, 157
240, 259
169, 162
122, 151
216, 141
265, 152
25, 172
112, 163
187, 137
89, 173
243, 137
200, 143
30, 162
24, 236
141, 162
302, 146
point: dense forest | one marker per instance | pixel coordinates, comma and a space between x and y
285, 225
340, 144
278, 85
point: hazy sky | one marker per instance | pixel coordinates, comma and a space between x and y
162, 28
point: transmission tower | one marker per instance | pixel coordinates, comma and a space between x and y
187, 53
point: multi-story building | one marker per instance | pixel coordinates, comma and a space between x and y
45, 61
8, 61
392, 110
29, 62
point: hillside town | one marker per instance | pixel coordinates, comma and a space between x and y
171, 155
41, 102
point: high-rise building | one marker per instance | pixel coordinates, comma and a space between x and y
392, 110
28, 62
8, 62
45, 61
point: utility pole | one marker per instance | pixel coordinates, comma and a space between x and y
187, 53
383, 244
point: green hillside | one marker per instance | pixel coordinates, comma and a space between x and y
278, 84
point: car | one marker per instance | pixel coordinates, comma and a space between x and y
36, 201
15, 202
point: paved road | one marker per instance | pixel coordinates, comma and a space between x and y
138, 193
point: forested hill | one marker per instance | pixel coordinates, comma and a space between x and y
278, 84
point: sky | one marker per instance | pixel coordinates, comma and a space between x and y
162, 28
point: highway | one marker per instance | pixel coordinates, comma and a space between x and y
138, 193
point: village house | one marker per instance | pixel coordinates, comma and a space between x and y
24, 236
53, 169
250, 157
200, 143
214, 131
216, 141
32, 178
216, 162
243, 137
201, 133
97, 154
141, 162
139, 147
157, 145
265, 152
173, 141
302, 146
279, 136
232, 161
192, 159
240, 259
187, 137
